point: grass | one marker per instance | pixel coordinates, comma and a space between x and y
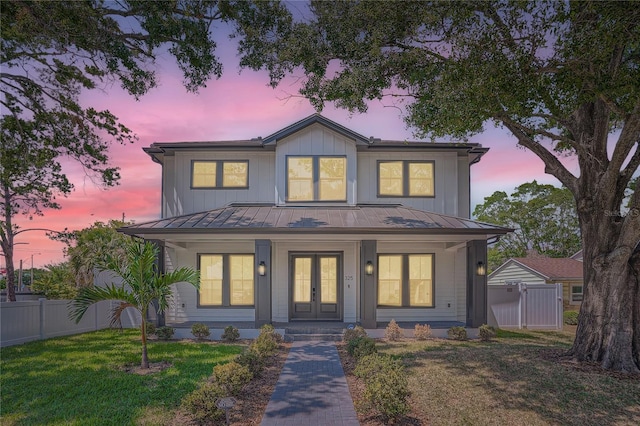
517, 379
82, 379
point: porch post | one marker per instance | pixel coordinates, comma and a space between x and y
263, 283
476, 284
368, 284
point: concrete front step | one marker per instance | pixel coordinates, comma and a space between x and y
313, 337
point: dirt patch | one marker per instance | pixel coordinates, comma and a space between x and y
560, 357
154, 367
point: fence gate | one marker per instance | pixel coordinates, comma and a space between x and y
533, 306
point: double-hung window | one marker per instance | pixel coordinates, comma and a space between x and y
576, 294
405, 280
226, 280
219, 174
403, 178
316, 178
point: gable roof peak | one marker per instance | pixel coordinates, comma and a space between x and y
313, 119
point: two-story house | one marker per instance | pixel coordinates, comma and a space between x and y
317, 222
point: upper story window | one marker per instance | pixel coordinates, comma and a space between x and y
316, 178
405, 179
219, 174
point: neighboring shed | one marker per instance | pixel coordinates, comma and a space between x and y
542, 270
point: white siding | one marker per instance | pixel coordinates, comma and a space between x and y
180, 199
185, 297
449, 297
460, 277
315, 140
446, 181
514, 272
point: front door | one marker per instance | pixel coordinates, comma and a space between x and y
316, 286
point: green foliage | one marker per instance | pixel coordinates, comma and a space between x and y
254, 362
201, 403
232, 376
165, 332
422, 332
87, 249
393, 331
150, 328
353, 333
58, 282
486, 332
361, 346
265, 345
544, 218
200, 331
142, 284
386, 386
457, 333
570, 317
230, 334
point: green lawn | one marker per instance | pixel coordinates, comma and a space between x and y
513, 380
80, 380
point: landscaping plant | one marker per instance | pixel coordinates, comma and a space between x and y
232, 376
393, 331
457, 333
570, 317
486, 332
422, 332
230, 334
361, 346
165, 332
142, 283
200, 331
351, 333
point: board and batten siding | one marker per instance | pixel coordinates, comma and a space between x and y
449, 284
184, 303
446, 181
514, 272
180, 199
316, 140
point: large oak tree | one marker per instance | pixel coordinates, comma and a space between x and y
562, 76
52, 51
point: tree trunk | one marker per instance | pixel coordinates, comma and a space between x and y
608, 330
6, 243
145, 359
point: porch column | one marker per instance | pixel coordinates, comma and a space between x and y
476, 283
368, 284
263, 283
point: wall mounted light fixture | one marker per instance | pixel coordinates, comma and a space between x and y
368, 268
481, 269
262, 268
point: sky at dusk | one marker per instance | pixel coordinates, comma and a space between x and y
235, 107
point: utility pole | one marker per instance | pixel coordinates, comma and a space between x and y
31, 273
20, 277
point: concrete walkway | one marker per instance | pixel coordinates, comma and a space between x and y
312, 389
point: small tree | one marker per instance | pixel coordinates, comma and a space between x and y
141, 284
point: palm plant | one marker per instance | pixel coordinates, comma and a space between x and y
142, 283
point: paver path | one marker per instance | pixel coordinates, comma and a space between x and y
312, 389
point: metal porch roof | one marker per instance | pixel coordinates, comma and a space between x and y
237, 218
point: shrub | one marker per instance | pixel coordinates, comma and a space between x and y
201, 403
457, 333
200, 331
361, 346
232, 376
422, 332
393, 331
266, 344
230, 334
571, 317
350, 334
269, 329
251, 360
150, 328
486, 332
165, 333
386, 387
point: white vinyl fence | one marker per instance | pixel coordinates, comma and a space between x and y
532, 306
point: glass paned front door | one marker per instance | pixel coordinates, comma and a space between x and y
315, 286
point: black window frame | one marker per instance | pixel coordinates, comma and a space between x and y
226, 282
316, 178
405, 178
405, 297
219, 174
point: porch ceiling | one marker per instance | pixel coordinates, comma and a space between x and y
270, 219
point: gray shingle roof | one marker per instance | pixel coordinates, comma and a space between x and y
237, 218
